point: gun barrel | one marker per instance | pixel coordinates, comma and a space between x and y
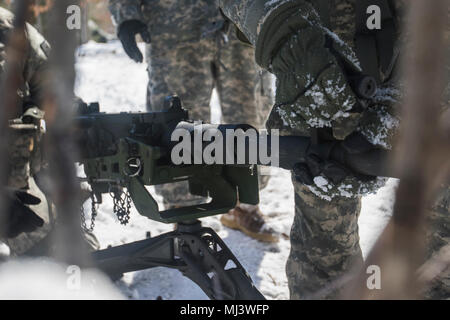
375, 162
245, 150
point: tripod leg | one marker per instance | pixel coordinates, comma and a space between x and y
197, 252
212, 265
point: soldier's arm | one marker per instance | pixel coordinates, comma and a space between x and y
307, 60
36, 66
315, 91
35, 59
16, 216
124, 10
127, 16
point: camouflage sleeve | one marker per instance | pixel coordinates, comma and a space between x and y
123, 10
22, 144
246, 14
267, 23
36, 65
5, 25
251, 15
35, 60
292, 42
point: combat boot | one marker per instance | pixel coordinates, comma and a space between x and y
248, 219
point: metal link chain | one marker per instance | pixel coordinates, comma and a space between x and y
93, 215
122, 206
122, 209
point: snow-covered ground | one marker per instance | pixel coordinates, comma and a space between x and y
45, 279
106, 75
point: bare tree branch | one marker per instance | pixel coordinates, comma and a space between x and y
61, 148
422, 158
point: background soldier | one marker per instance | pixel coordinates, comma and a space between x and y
28, 207
28, 223
315, 49
193, 50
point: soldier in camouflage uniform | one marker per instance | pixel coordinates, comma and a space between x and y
30, 218
194, 50
27, 200
315, 48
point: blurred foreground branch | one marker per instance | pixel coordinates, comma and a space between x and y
60, 146
422, 159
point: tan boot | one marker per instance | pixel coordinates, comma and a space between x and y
249, 220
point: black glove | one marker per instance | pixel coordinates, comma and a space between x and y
127, 35
19, 217
316, 165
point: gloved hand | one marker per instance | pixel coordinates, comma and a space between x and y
313, 89
315, 166
18, 216
127, 35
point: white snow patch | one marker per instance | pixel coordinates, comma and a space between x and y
41, 279
322, 183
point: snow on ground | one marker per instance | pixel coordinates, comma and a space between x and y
44, 279
106, 75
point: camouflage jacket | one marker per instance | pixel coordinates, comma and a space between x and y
34, 64
173, 21
23, 145
268, 23
254, 17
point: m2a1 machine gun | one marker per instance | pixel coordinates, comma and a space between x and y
129, 151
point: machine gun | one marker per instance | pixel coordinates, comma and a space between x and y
132, 150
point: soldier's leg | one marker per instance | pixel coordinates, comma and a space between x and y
246, 97
264, 95
324, 242
185, 71
245, 90
264, 99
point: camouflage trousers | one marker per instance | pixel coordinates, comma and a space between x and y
325, 242
192, 71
